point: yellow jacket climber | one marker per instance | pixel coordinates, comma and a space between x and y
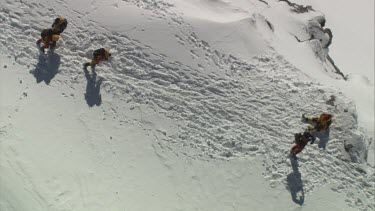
321, 123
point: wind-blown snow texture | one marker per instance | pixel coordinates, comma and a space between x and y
222, 106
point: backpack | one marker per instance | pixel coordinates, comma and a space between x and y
324, 121
325, 117
59, 25
99, 52
46, 33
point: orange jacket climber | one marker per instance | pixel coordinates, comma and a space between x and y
47, 37
99, 55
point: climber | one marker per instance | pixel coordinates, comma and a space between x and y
99, 55
322, 123
301, 140
48, 38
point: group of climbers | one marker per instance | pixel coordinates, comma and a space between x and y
50, 36
320, 123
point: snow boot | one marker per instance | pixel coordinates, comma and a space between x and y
42, 49
304, 118
291, 155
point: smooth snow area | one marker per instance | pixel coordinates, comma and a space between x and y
195, 110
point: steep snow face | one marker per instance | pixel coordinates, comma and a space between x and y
353, 51
354, 58
352, 23
178, 107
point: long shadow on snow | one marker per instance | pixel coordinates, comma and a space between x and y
295, 184
323, 138
47, 67
92, 95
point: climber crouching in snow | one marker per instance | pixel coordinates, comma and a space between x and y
301, 140
321, 124
98, 56
47, 37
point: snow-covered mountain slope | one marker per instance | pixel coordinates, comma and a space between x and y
352, 23
198, 107
57, 154
352, 49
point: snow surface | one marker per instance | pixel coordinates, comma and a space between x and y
353, 25
196, 110
353, 50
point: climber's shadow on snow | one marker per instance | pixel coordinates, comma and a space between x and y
47, 67
295, 184
323, 137
92, 95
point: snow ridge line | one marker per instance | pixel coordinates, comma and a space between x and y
244, 114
